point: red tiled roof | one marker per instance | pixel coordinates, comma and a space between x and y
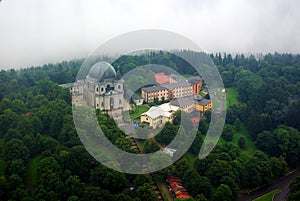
177, 188
183, 196
161, 78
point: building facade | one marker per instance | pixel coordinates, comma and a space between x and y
157, 116
76, 88
179, 89
150, 93
101, 89
203, 105
185, 104
176, 88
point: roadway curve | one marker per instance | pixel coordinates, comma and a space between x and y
281, 183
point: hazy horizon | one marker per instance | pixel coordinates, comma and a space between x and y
37, 32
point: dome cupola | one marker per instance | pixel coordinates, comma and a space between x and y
101, 71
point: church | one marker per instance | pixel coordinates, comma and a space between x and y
101, 89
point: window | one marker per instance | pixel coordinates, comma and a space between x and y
97, 89
119, 86
102, 89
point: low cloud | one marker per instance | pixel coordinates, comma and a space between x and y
35, 32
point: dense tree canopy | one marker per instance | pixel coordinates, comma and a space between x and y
38, 134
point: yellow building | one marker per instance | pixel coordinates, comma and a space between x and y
158, 115
203, 104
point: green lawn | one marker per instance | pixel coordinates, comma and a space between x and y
31, 174
138, 110
190, 159
219, 93
250, 146
231, 97
268, 196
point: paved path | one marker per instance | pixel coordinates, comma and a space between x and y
281, 183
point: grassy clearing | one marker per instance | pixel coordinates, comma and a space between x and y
190, 159
219, 93
268, 197
31, 174
250, 146
215, 103
231, 97
138, 110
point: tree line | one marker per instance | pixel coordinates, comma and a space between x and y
36, 123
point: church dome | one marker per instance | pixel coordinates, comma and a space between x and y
101, 71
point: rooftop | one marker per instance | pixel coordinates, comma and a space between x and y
176, 77
182, 102
176, 85
101, 71
72, 84
152, 89
203, 101
130, 94
194, 79
164, 110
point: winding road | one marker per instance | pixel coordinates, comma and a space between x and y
281, 183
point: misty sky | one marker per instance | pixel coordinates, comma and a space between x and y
34, 32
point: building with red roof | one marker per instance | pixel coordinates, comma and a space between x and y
177, 188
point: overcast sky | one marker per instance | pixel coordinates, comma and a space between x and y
34, 32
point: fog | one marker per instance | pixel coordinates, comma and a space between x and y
35, 32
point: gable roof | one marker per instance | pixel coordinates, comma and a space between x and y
152, 89
194, 79
203, 101
183, 101
176, 85
164, 110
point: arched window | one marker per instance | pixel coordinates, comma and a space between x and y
108, 88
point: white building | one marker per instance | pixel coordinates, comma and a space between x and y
158, 115
101, 89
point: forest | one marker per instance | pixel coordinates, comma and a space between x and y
42, 157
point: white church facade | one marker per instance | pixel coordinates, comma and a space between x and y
101, 89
